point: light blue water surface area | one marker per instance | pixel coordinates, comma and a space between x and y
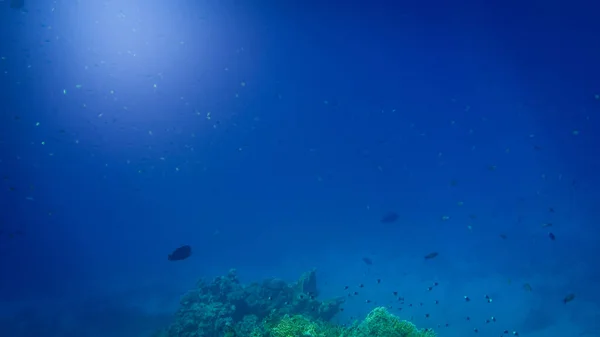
440, 159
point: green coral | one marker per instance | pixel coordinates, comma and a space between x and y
380, 323
258, 331
296, 326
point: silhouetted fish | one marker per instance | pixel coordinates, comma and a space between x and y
390, 217
181, 253
568, 298
18, 4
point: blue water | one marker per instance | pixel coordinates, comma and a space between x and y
272, 137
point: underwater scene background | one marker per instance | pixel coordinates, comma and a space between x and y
310, 162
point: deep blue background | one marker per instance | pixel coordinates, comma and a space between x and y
273, 136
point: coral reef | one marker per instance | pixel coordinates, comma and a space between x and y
225, 307
274, 308
292, 326
380, 322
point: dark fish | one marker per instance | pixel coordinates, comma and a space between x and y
17, 4
181, 253
367, 261
431, 255
390, 217
568, 298
551, 236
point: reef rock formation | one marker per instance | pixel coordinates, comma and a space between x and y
227, 308
274, 308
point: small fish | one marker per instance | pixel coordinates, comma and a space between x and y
367, 260
568, 298
390, 217
431, 256
546, 225
527, 287
503, 236
17, 4
13, 234
181, 253
551, 236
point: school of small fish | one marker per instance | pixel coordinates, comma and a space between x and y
354, 291
397, 301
